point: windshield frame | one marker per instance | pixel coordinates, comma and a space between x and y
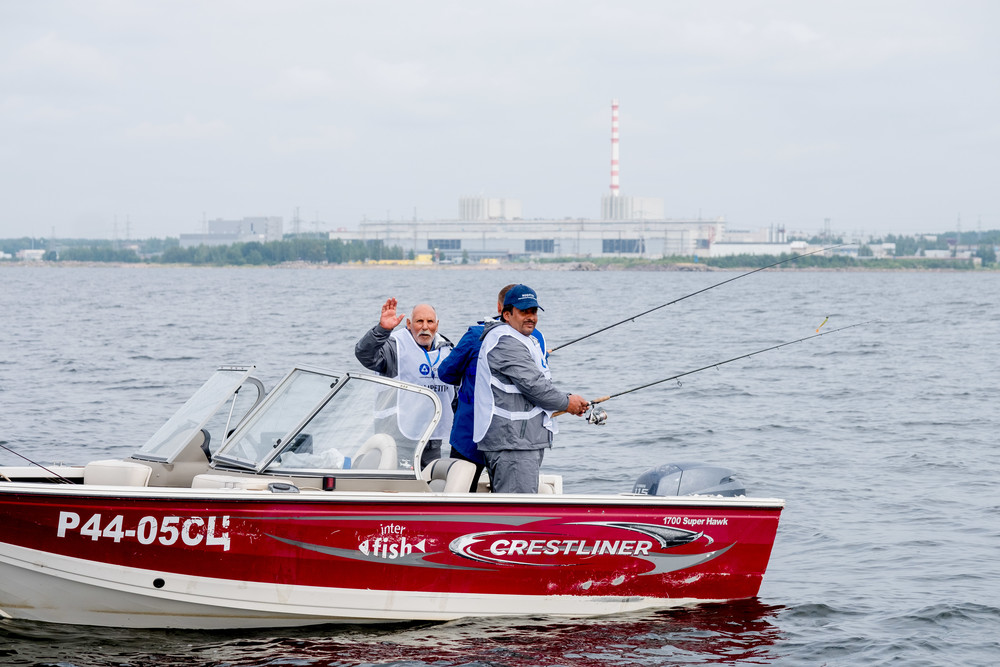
205, 404
398, 473
225, 458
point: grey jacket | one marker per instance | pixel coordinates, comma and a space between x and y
511, 363
377, 351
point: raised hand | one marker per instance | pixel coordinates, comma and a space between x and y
389, 320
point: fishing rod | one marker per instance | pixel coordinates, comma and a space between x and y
687, 296
51, 472
599, 416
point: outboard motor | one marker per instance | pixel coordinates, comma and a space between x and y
687, 479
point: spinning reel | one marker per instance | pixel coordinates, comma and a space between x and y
597, 416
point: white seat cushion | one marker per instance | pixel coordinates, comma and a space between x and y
116, 473
449, 475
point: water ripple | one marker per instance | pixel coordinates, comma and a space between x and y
880, 438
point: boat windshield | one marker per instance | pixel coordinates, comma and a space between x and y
286, 407
204, 410
314, 422
370, 424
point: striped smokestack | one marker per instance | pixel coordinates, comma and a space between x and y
614, 148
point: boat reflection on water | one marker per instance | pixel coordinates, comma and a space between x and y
735, 633
708, 634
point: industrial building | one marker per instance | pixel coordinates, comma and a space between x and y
480, 239
494, 228
228, 232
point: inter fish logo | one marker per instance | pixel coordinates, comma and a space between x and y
391, 548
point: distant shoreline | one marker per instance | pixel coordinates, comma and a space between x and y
500, 266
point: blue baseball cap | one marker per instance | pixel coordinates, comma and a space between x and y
521, 297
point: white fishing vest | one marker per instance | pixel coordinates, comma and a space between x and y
485, 406
418, 366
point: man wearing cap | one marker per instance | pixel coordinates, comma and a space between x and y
515, 397
460, 369
412, 355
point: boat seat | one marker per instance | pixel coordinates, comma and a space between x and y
116, 473
550, 484
378, 453
449, 475
206, 443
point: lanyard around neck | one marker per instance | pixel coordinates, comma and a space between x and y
432, 364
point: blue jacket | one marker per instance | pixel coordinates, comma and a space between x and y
459, 368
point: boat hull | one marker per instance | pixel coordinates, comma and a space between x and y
221, 558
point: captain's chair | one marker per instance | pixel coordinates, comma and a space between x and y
378, 453
449, 475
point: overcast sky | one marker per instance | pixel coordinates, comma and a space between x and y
882, 116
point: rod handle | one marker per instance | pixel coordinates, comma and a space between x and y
593, 402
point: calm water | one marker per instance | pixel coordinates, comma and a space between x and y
882, 439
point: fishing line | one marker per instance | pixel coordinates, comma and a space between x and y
721, 363
687, 296
51, 472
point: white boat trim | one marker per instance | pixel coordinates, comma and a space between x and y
93, 593
435, 498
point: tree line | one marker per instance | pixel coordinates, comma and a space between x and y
319, 251
336, 251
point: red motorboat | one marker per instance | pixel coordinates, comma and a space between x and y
312, 511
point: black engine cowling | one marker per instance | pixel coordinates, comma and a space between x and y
687, 479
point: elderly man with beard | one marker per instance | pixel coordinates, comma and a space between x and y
412, 355
515, 398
